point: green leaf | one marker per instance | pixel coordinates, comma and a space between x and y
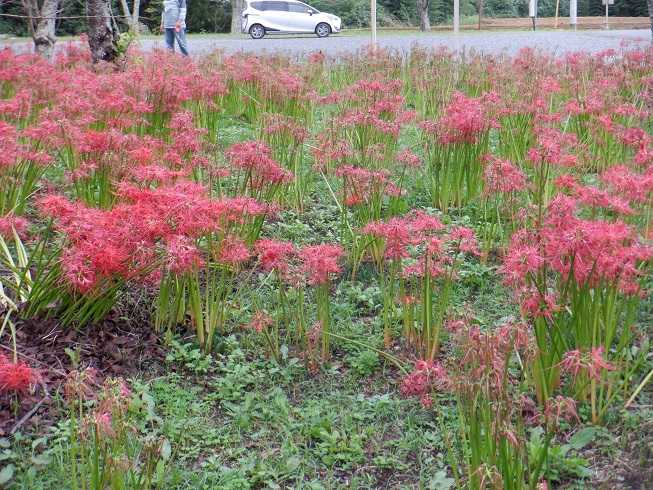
441, 481
41, 460
6, 474
166, 450
4, 442
292, 464
582, 438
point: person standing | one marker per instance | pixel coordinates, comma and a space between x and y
173, 24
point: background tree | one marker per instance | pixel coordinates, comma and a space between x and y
131, 17
41, 22
103, 32
423, 10
237, 6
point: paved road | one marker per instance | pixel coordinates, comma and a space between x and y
493, 42
488, 42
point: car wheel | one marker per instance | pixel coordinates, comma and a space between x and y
323, 29
257, 31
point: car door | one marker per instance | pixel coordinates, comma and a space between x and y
300, 18
276, 15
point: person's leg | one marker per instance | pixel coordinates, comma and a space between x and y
181, 40
170, 38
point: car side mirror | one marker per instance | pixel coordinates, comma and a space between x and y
310, 12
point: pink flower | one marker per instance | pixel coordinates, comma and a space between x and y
319, 262
15, 377
10, 223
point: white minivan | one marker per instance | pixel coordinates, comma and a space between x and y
286, 16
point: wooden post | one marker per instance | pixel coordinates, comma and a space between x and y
555, 25
373, 21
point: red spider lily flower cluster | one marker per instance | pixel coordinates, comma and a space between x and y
426, 377
254, 157
398, 234
16, 377
464, 120
320, 262
149, 229
589, 251
312, 264
10, 224
554, 147
361, 185
592, 364
501, 176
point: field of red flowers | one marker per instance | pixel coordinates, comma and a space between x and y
376, 271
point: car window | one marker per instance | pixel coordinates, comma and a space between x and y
308, 7
257, 5
278, 6
299, 7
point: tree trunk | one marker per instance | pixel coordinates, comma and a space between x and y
423, 10
102, 31
44, 34
135, 16
237, 7
480, 13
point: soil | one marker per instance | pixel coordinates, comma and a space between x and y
114, 347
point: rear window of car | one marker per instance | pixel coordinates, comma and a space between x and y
298, 7
257, 5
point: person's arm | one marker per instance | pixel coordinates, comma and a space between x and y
182, 13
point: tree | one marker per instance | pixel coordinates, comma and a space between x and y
480, 13
102, 31
131, 18
237, 7
41, 22
423, 12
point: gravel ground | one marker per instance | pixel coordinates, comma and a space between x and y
491, 42
488, 42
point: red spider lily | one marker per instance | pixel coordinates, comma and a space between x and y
254, 157
554, 148
426, 377
501, 176
398, 234
634, 186
590, 250
360, 185
592, 364
16, 377
320, 262
408, 159
182, 255
233, 251
10, 224
274, 254
260, 321
464, 121
330, 151
278, 124
560, 408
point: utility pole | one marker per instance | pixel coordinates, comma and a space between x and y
456, 16
532, 11
607, 4
573, 13
373, 21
